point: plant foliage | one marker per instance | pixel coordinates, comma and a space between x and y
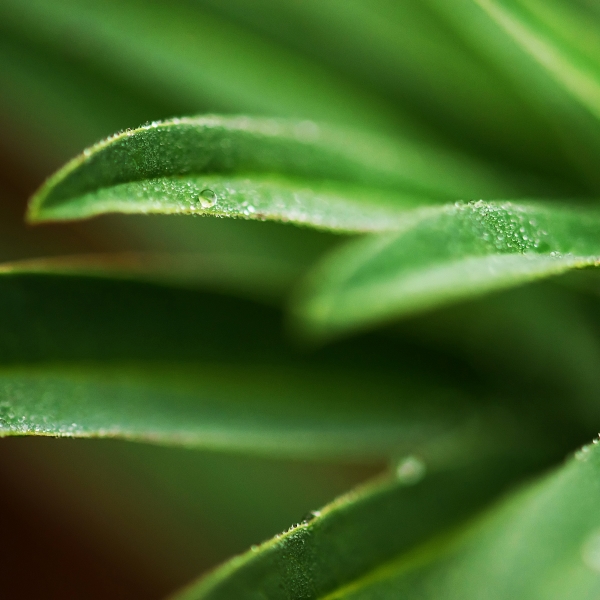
373, 242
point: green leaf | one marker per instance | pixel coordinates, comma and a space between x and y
543, 542
250, 275
358, 533
409, 55
446, 254
261, 169
85, 356
59, 106
548, 50
559, 38
264, 410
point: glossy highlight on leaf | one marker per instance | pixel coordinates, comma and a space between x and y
253, 168
446, 254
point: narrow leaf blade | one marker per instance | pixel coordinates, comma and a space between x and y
446, 254
358, 532
98, 357
262, 168
541, 543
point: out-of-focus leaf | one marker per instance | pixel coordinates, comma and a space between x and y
85, 356
265, 278
541, 543
406, 52
261, 168
51, 109
549, 51
559, 39
261, 260
192, 60
539, 340
163, 513
446, 254
358, 533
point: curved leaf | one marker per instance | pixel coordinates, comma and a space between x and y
446, 254
548, 50
543, 543
85, 356
261, 168
266, 410
357, 533
410, 55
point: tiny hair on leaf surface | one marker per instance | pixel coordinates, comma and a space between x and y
446, 254
256, 168
399, 280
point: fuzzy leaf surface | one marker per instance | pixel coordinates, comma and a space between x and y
253, 168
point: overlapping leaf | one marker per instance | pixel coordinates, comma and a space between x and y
444, 255
261, 168
541, 543
407, 53
85, 356
359, 534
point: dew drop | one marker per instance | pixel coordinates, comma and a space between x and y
584, 453
207, 198
410, 470
310, 516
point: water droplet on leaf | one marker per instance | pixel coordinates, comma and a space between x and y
207, 198
410, 470
310, 516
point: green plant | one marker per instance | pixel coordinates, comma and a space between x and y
359, 302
